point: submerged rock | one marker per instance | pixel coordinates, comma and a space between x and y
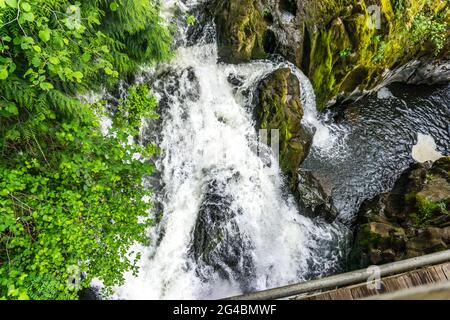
411, 220
313, 199
218, 245
235, 80
279, 107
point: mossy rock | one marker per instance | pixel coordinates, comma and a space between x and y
334, 41
444, 164
241, 31
279, 107
411, 220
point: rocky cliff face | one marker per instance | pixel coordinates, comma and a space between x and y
411, 220
344, 46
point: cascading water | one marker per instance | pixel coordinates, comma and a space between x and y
229, 225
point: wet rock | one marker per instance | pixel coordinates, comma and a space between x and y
235, 80
424, 70
241, 30
312, 198
218, 246
270, 42
89, 294
411, 220
279, 107
203, 30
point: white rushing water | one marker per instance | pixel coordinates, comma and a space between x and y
208, 134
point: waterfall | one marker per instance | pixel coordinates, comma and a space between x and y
229, 223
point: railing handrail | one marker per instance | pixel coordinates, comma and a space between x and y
345, 279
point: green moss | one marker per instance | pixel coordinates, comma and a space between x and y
368, 239
375, 237
280, 108
426, 211
241, 30
409, 28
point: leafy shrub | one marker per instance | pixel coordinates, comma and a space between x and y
71, 197
426, 29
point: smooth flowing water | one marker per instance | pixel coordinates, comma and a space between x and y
229, 223
375, 139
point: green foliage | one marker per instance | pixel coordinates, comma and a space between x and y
427, 29
139, 104
191, 20
79, 207
426, 210
44, 288
71, 196
345, 52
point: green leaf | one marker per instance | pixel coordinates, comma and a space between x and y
54, 60
25, 6
113, 6
44, 35
36, 61
11, 3
78, 75
86, 57
3, 74
46, 86
23, 296
12, 67
11, 108
27, 16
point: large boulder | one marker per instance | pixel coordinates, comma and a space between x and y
411, 220
279, 107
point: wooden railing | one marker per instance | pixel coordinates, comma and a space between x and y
346, 279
